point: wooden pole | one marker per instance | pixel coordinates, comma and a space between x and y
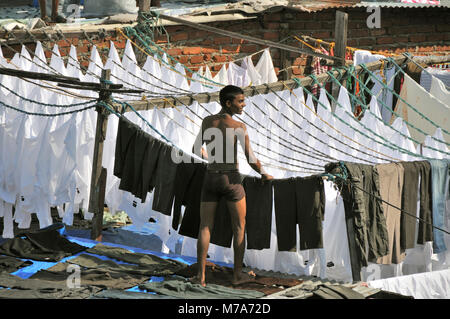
340, 35
285, 59
341, 27
97, 219
98, 182
144, 5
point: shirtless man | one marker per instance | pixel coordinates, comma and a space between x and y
221, 133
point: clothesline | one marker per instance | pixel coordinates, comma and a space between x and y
394, 147
382, 103
409, 105
343, 178
366, 153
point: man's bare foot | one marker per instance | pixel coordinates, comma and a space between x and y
243, 278
196, 280
46, 20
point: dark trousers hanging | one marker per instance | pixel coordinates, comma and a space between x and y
409, 205
164, 181
310, 211
285, 213
259, 201
425, 232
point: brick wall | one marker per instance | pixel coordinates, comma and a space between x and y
419, 31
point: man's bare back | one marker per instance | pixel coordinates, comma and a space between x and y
221, 135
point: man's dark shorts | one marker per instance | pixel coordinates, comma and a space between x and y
218, 184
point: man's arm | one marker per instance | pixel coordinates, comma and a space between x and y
250, 156
197, 148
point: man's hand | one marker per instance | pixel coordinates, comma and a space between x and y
266, 177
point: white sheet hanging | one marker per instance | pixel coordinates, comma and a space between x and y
222, 76
438, 149
238, 76
345, 124
255, 77
265, 68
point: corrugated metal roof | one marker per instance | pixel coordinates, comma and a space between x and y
251, 7
396, 4
313, 6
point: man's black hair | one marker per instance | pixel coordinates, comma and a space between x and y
228, 93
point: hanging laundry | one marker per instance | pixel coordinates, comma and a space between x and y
183, 177
221, 234
238, 76
165, 172
428, 106
391, 188
255, 77
318, 68
310, 210
439, 187
363, 212
439, 91
222, 76
285, 213
433, 148
399, 137
386, 76
265, 68
409, 205
259, 199
125, 134
133, 164
426, 74
335, 240
191, 218
425, 232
